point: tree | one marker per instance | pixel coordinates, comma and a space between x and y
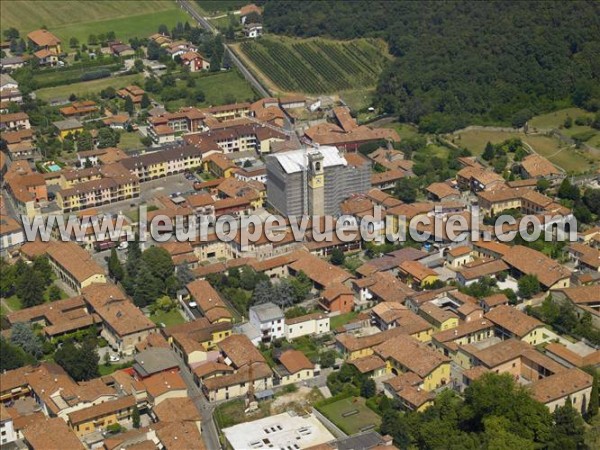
405, 190
107, 137
145, 103
84, 141
11, 33
30, 288
568, 123
327, 358
22, 335
12, 356
489, 152
92, 39
111, 36
147, 287
337, 257
594, 395
591, 198
159, 261
301, 285
138, 64
568, 430
73, 42
368, 388
542, 185
129, 106
582, 214
115, 268
184, 274
529, 285
135, 417
80, 362
163, 29
215, 63
106, 359
109, 92
153, 51
54, 293
568, 191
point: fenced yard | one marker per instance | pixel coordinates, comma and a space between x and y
351, 415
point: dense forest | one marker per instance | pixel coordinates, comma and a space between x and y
466, 62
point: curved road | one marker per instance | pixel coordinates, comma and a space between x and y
185, 5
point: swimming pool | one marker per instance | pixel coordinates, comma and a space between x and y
53, 167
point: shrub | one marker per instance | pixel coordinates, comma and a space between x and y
95, 75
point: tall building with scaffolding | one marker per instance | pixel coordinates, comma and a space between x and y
314, 181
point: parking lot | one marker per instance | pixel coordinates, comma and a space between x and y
149, 191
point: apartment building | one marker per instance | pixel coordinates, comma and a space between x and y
103, 185
150, 166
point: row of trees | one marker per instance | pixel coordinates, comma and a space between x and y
245, 287
495, 413
147, 275
585, 207
28, 282
563, 317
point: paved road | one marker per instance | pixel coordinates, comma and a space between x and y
207, 26
209, 430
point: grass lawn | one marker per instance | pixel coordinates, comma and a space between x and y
556, 119
308, 346
232, 413
404, 130
358, 99
87, 88
79, 19
172, 317
567, 158
219, 89
217, 7
342, 319
14, 302
130, 140
107, 370
363, 419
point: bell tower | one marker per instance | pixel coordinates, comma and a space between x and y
316, 184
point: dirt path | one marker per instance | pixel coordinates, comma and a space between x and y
5, 305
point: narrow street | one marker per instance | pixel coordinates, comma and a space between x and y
209, 429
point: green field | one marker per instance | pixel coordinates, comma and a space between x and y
355, 423
556, 120
170, 318
404, 130
342, 319
316, 66
130, 141
219, 89
87, 88
221, 6
79, 19
569, 159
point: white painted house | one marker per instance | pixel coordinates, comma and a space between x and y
269, 319
312, 324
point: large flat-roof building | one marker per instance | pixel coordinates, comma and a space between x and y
314, 180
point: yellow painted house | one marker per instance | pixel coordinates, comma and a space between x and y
415, 273
441, 319
68, 127
353, 347
219, 165
100, 416
404, 354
